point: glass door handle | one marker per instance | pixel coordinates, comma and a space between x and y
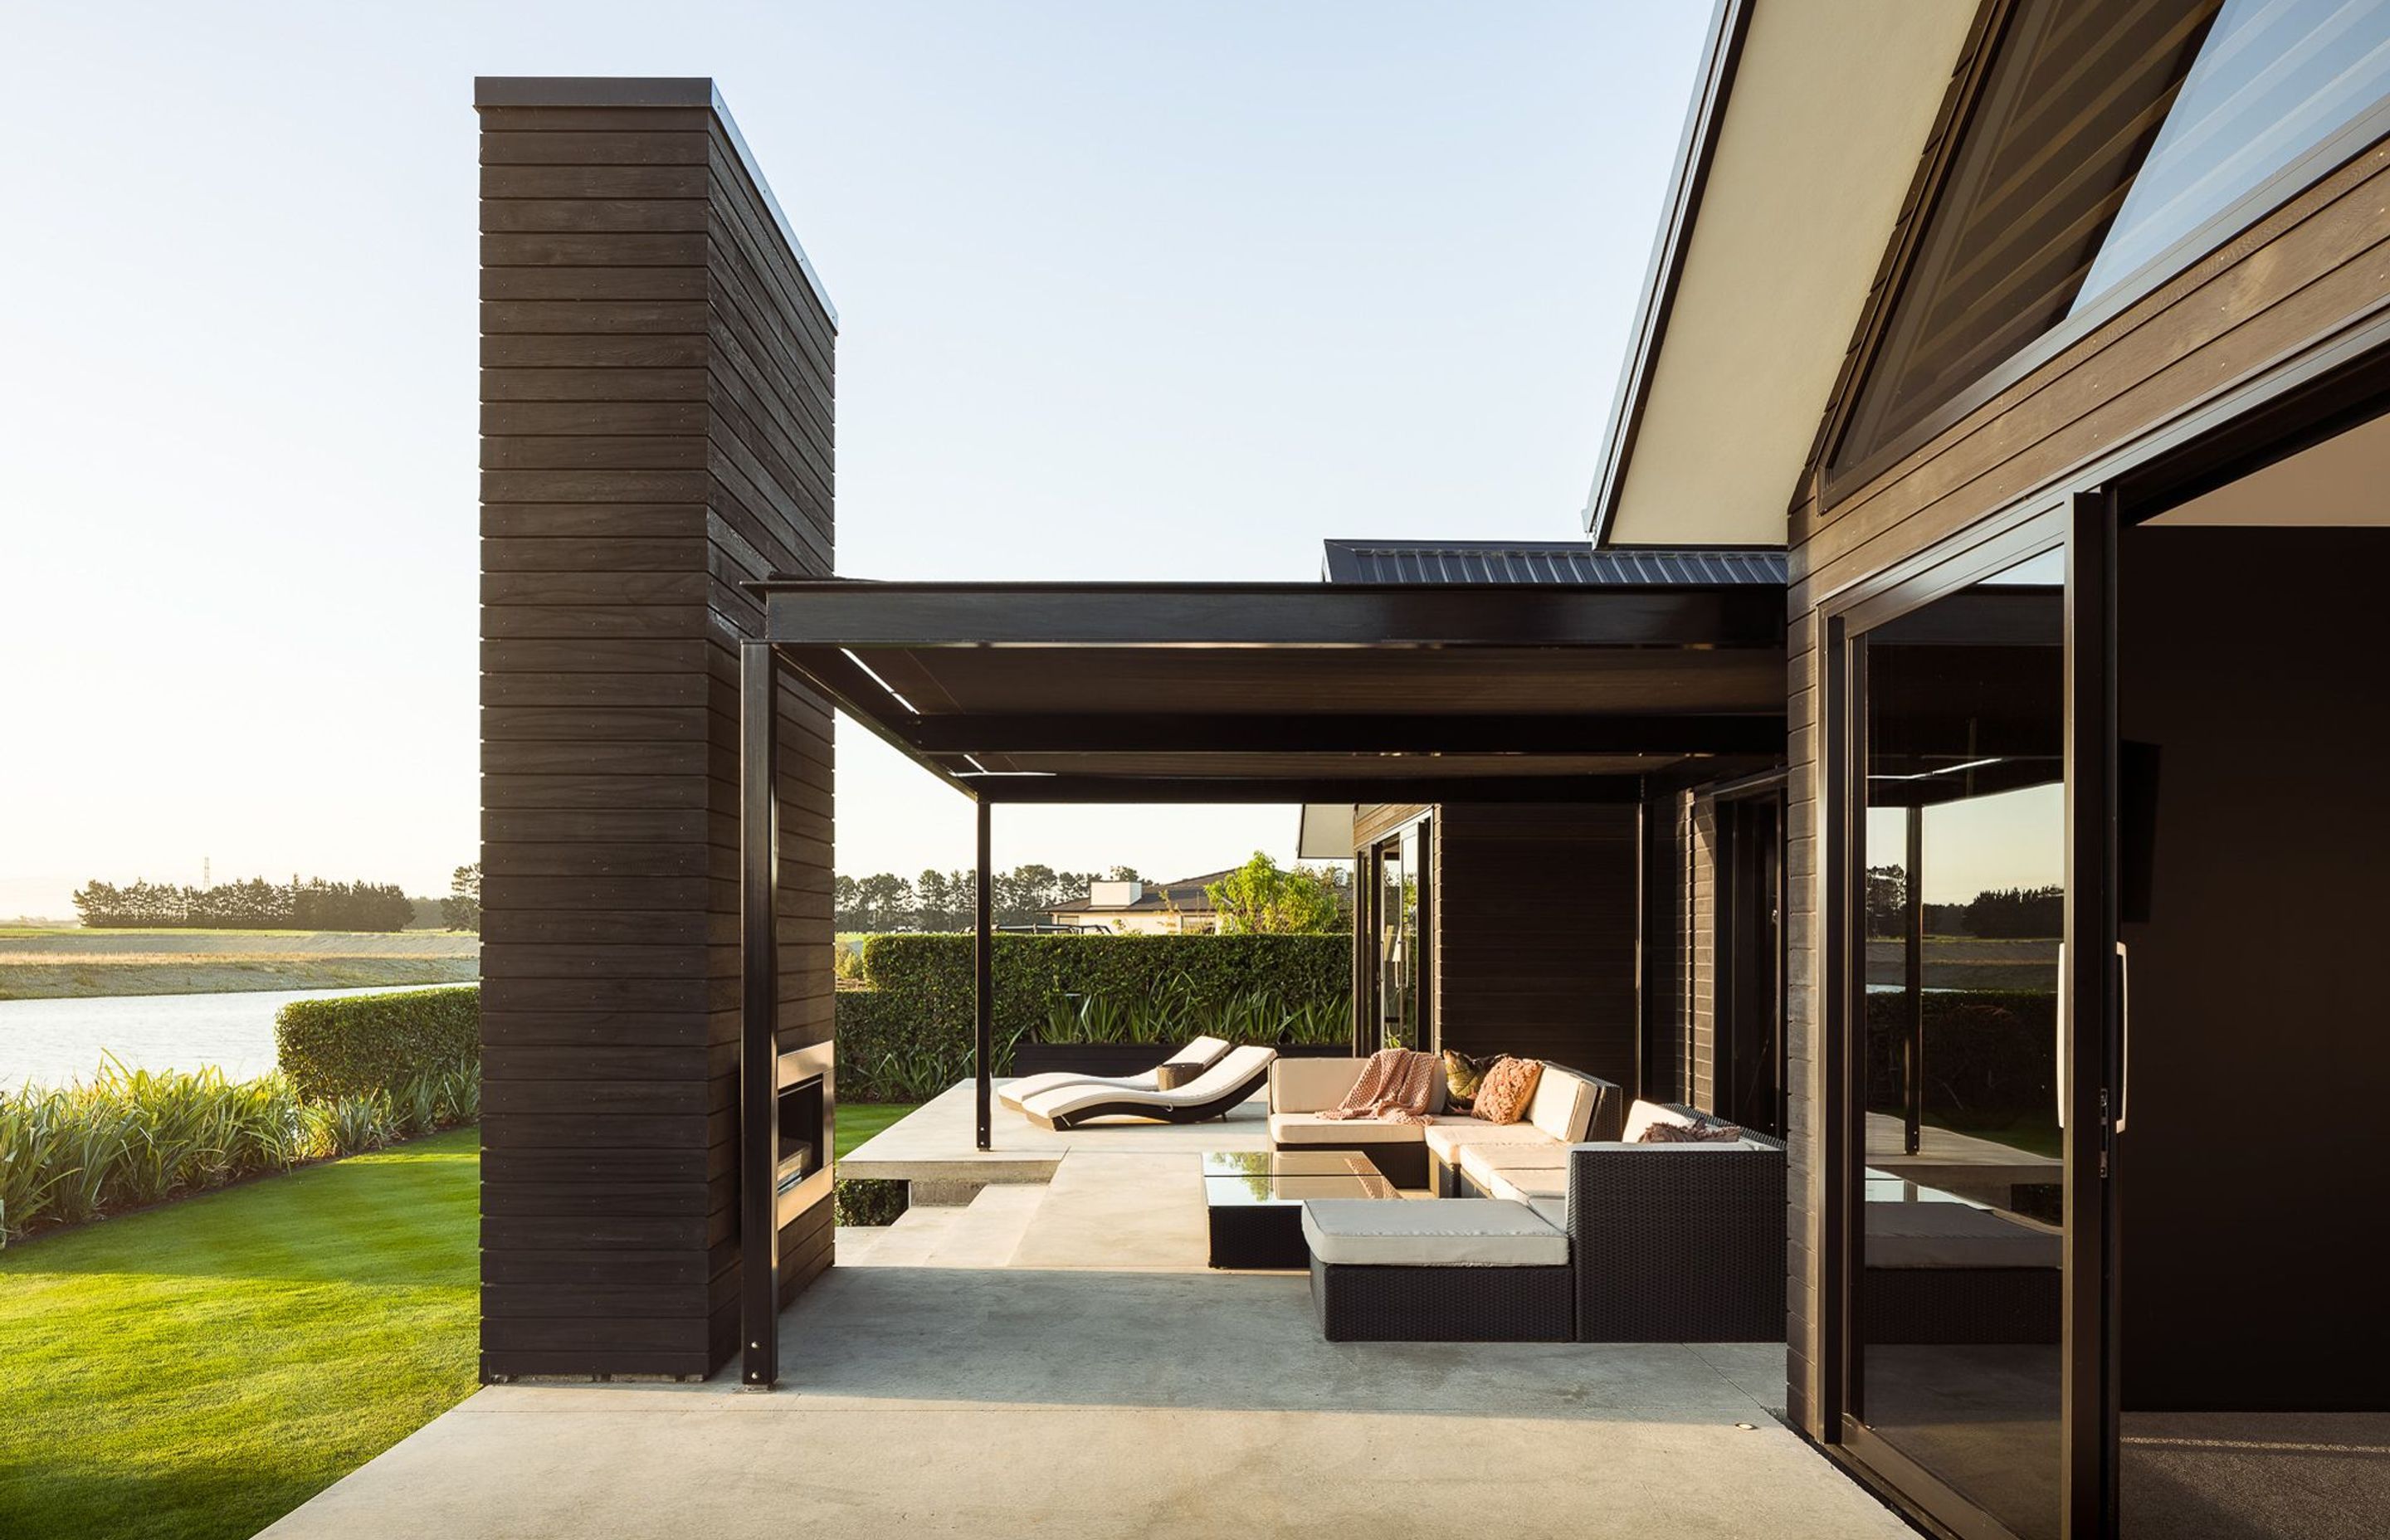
2124, 1035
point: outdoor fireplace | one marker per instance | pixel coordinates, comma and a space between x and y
807, 1113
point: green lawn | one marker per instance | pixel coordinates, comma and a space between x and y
202, 1368
857, 1120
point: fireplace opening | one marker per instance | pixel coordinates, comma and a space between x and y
804, 1147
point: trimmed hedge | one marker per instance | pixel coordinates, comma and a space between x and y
359, 1043
1988, 1052
908, 1035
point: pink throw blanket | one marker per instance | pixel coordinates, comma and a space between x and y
1395, 1087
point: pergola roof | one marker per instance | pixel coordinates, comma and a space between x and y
1296, 692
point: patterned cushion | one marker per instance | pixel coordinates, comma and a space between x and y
1708, 1131
1463, 1074
1503, 1095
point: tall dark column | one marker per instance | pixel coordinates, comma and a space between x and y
656, 421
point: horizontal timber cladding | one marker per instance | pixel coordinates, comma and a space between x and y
1537, 932
656, 431
2260, 305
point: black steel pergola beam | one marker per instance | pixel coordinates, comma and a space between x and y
1425, 788
844, 613
869, 702
1352, 733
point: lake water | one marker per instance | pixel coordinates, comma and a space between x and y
52, 1042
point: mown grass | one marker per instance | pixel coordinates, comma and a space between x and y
859, 1120
198, 1369
58, 964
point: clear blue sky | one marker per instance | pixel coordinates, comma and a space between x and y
1131, 291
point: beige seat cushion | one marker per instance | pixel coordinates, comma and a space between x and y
1530, 1184
1452, 1232
1298, 1128
1484, 1163
1447, 1136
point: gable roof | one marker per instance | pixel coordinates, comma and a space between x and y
1807, 124
1571, 561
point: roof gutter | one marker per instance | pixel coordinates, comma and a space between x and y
1728, 26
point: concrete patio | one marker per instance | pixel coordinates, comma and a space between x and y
1054, 1359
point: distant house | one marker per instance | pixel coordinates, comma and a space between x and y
1180, 908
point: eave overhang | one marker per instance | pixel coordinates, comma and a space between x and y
1803, 141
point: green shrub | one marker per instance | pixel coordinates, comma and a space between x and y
1988, 1060
907, 1036
356, 1044
865, 1200
132, 1138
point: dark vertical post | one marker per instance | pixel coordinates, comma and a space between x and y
982, 980
1913, 982
759, 1056
2088, 1408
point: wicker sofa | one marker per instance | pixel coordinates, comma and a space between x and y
1568, 1106
1669, 1242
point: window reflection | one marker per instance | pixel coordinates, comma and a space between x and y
1962, 906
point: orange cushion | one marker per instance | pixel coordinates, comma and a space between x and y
1508, 1088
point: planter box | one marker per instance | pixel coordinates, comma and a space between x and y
1088, 1058
1128, 1059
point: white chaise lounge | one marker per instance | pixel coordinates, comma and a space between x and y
1234, 1079
1203, 1052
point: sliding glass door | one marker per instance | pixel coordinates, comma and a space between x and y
1395, 985
1971, 693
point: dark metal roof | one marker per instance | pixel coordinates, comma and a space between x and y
1571, 561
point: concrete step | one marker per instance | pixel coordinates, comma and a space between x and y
912, 1239
853, 1242
984, 1233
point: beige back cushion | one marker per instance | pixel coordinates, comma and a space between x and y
1562, 1104
1309, 1085
1643, 1115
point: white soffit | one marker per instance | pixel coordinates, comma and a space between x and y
1325, 832
2343, 482
1825, 122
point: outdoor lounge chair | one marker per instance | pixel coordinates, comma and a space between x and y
1231, 1081
1204, 1051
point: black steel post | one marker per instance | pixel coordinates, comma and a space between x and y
984, 982
759, 1101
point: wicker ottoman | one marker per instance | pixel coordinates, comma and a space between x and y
1451, 1270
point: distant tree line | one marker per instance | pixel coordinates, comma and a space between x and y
256, 905
1999, 914
942, 901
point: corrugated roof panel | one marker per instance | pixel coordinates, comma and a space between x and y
1544, 561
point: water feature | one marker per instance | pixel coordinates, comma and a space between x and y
52, 1042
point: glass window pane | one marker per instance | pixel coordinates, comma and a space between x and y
1963, 904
